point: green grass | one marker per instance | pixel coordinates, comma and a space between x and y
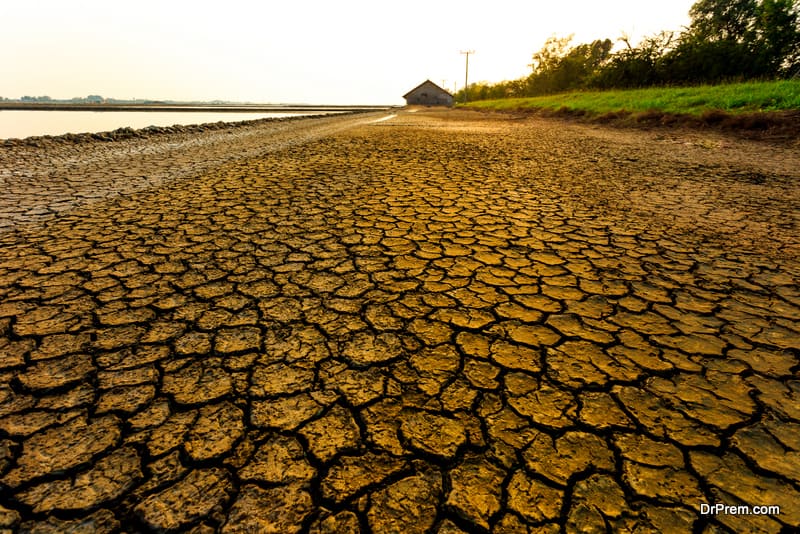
731, 98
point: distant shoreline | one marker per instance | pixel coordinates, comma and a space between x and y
238, 108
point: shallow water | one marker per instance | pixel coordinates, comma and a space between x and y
25, 123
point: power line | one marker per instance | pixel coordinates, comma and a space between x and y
466, 74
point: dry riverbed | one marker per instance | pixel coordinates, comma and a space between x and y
446, 321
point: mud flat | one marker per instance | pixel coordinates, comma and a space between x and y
45, 175
441, 322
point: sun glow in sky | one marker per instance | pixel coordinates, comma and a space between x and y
298, 51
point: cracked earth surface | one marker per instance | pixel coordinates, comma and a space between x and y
443, 322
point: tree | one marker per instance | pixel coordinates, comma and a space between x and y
777, 35
635, 66
548, 57
737, 39
722, 20
559, 67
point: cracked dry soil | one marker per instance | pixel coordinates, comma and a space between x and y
443, 322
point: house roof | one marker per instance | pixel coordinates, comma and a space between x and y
426, 82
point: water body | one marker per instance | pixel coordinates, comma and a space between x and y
25, 123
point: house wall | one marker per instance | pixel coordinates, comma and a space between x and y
429, 96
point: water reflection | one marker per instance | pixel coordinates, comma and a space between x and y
24, 123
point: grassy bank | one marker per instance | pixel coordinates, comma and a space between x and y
732, 99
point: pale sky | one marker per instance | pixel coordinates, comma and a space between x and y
294, 51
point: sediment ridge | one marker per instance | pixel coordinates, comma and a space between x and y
147, 132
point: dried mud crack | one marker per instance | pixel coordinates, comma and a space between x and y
443, 322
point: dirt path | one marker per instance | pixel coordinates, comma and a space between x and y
442, 322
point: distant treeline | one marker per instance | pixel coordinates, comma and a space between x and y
97, 99
91, 99
727, 40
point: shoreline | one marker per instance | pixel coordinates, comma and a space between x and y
149, 131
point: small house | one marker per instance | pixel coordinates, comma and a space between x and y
428, 94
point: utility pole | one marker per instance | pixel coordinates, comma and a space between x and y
466, 74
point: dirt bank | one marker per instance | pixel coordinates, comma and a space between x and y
772, 126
